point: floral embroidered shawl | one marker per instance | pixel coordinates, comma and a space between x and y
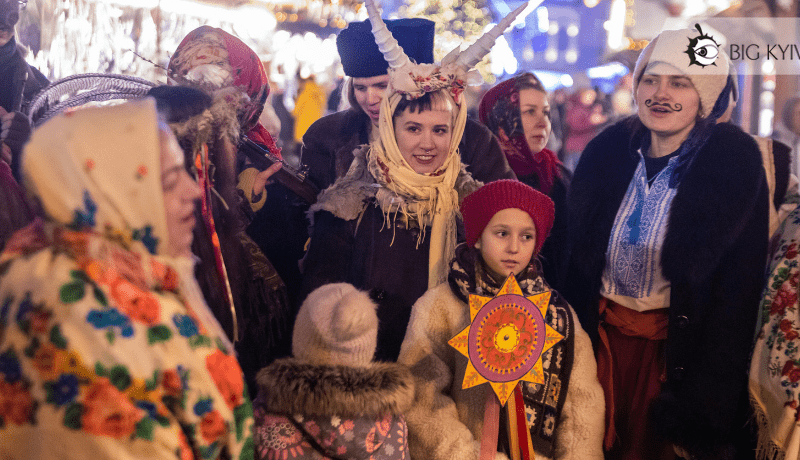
775, 368
107, 349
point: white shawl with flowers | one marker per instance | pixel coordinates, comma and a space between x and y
775, 368
107, 349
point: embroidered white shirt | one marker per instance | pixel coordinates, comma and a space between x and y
632, 276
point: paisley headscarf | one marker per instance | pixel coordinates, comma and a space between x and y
499, 109
215, 61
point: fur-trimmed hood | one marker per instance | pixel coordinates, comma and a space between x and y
288, 386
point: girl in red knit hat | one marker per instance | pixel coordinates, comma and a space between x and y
506, 224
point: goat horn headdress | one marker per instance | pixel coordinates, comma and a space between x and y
414, 80
475, 52
392, 51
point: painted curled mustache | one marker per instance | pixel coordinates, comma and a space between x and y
675, 108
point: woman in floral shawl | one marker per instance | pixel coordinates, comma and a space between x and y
775, 370
389, 225
518, 113
107, 349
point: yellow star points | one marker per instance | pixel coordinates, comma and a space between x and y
504, 342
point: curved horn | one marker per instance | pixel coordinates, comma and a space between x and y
392, 51
473, 55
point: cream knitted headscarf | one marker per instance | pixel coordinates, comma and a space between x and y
429, 199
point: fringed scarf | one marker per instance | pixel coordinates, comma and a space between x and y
429, 199
542, 403
252, 293
197, 133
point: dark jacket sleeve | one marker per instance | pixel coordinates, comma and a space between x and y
480, 151
328, 145
35, 83
329, 253
317, 152
783, 161
554, 252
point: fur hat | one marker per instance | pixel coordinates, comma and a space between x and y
337, 324
480, 206
691, 53
361, 57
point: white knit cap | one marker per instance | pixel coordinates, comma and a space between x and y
692, 54
337, 324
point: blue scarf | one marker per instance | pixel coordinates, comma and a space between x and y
699, 135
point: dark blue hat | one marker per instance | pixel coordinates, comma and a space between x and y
361, 57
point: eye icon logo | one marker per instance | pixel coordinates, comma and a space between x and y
703, 49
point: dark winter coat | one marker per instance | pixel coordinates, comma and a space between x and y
26, 81
374, 257
280, 229
329, 143
714, 256
339, 412
354, 242
554, 254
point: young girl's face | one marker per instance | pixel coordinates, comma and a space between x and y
507, 243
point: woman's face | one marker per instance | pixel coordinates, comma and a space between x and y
424, 138
668, 104
534, 110
369, 92
180, 194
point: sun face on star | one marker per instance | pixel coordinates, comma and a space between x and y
506, 339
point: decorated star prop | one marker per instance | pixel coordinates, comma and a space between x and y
506, 339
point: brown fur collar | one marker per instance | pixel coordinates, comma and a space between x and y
288, 386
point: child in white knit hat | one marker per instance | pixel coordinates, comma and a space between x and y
330, 399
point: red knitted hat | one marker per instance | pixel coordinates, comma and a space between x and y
481, 205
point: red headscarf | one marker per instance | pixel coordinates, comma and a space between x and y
213, 60
499, 109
